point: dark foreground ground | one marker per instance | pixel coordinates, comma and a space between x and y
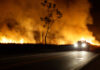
22, 49
49, 57
70, 60
93, 65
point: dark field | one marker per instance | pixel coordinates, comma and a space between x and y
46, 57
32, 48
36, 48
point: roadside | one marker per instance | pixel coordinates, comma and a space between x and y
93, 65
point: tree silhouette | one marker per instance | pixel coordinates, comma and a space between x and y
53, 14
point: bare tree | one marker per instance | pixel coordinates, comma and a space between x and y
53, 14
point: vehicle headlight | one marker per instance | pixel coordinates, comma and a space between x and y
76, 45
84, 45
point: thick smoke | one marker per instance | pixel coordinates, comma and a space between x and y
21, 19
76, 16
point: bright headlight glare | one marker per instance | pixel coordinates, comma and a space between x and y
75, 45
84, 45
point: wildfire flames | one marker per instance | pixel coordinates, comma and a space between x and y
6, 40
20, 22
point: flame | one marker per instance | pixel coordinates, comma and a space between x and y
19, 25
6, 40
61, 42
87, 40
90, 40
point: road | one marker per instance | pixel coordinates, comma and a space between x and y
71, 60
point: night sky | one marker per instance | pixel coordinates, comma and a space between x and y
95, 12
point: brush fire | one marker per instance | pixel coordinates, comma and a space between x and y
20, 22
6, 40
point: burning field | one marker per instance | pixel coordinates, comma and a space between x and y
20, 22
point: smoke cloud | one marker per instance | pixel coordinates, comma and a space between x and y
21, 19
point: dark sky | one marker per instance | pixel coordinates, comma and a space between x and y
95, 12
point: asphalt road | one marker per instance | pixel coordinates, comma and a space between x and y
71, 60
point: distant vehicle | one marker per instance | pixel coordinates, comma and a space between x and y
82, 45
